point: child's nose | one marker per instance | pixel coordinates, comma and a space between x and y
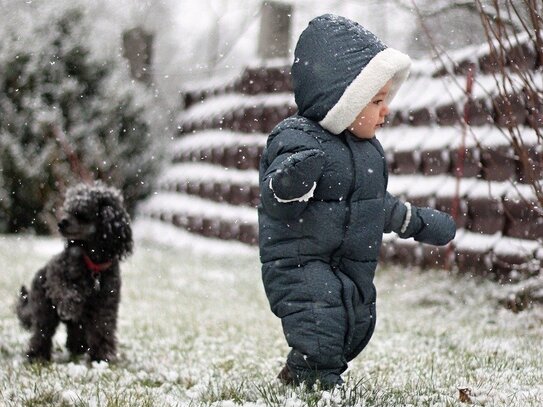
384, 110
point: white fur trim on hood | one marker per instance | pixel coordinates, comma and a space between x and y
387, 64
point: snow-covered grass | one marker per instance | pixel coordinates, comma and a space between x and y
195, 329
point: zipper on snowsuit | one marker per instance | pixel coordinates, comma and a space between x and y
343, 137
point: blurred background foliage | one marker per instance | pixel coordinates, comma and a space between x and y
67, 115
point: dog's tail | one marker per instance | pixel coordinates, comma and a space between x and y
23, 308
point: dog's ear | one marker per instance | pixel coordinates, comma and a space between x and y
116, 229
107, 214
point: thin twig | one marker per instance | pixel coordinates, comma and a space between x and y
505, 76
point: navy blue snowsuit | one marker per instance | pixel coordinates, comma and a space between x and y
324, 205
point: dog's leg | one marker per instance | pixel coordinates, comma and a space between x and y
101, 338
102, 312
76, 342
43, 329
44, 322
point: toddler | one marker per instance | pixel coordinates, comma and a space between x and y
324, 204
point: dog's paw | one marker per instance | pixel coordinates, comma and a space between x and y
38, 357
99, 358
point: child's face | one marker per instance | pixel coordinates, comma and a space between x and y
372, 116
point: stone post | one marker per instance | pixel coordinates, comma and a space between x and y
138, 44
274, 38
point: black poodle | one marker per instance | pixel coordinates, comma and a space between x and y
81, 286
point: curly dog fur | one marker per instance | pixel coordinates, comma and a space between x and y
81, 286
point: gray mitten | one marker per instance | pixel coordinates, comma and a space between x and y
297, 175
437, 228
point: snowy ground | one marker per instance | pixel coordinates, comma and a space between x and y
195, 329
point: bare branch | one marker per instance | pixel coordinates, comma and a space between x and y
446, 7
501, 38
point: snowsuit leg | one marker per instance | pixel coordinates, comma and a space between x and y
308, 299
359, 297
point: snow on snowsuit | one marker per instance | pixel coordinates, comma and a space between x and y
324, 205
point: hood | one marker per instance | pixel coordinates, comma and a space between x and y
338, 67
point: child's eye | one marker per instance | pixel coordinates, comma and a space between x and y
377, 102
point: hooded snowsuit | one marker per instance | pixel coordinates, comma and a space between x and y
324, 205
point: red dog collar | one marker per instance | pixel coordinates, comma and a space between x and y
96, 268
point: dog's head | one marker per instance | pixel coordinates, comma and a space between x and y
94, 216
